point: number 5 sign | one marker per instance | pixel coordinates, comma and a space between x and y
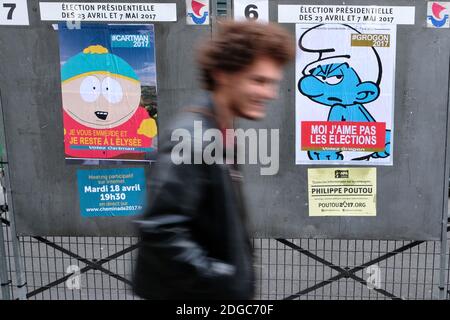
14, 12
251, 10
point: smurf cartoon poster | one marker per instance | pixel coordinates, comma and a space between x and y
345, 94
108, 80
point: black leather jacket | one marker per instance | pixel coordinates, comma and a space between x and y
194, 240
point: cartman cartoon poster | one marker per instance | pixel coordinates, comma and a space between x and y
108, 81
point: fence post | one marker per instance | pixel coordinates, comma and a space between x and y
443, 262
20, 275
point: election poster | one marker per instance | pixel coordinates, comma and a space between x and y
109, 92
197, 12
345, 94
342, 192
111, 192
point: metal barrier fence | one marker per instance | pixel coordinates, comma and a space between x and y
100, 268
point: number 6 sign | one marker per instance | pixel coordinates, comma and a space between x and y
257, 10
14, 12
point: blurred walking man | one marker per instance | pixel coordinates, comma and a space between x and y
195, 242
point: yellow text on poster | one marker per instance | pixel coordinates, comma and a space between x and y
342, 192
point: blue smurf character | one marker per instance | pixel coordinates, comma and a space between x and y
334, 80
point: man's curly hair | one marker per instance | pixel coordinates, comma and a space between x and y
238, 44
